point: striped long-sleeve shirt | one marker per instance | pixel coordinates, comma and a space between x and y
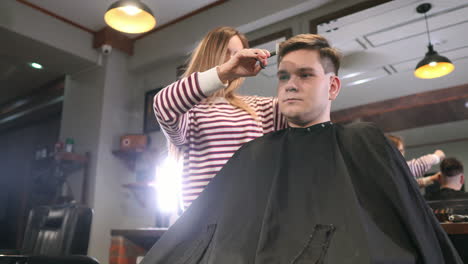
208, 133
421, 165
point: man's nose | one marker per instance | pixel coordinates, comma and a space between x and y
291, 85
291, 89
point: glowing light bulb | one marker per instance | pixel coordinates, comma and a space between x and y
130, 16
432, 63
131, 10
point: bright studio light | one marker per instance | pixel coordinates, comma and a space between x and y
167, 185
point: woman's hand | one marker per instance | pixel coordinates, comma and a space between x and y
242, 64
436, 177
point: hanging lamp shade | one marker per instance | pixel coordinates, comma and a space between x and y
433, 65
130, 16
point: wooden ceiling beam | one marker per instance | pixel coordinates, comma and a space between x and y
112, 37
33, 105
344, 12
179, 19
416, 110
54, 15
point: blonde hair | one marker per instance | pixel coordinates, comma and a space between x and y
396, 140
212, 51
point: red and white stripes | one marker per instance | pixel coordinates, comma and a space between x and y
209, 133
421, 165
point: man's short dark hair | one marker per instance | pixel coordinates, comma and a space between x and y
451, 167
329, 57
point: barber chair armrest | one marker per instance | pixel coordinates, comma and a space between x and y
72, 259
9, 252
10, 259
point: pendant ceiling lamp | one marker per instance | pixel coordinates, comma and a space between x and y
130, 16
432, 65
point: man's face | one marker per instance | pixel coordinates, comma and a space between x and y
305, 91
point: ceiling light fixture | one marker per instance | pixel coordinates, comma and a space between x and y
351, 75
130, 16
432, 65
361, 81
35, 65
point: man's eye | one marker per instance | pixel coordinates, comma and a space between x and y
283, 77
306, 75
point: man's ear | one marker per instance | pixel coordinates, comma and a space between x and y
462, 179
335, 87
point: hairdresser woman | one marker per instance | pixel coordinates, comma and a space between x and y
203, 117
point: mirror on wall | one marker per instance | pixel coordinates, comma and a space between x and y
382, 46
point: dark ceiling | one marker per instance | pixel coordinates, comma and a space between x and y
17, 78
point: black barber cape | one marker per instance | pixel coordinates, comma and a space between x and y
323, 194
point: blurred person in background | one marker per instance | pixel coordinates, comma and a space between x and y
421, 165
451, 180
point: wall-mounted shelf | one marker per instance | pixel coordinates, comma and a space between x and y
71, 162
129, 156
50, 174
139, 190
68, 162
138, 185
69, 156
